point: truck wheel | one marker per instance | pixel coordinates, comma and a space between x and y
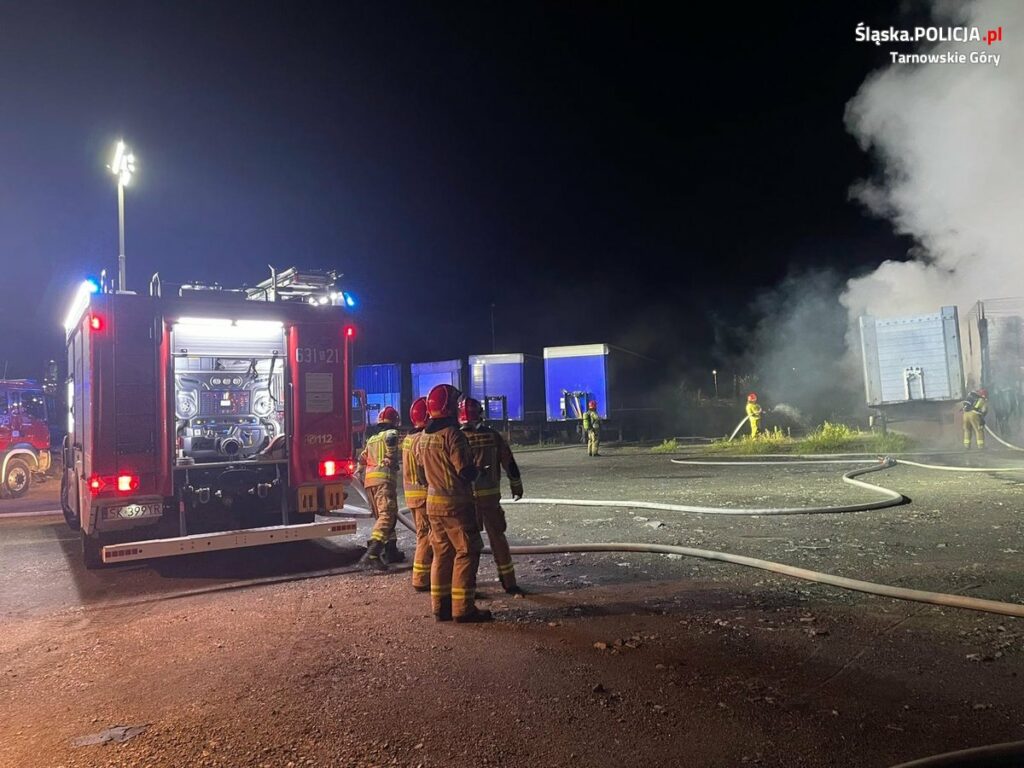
17, 478
92, 551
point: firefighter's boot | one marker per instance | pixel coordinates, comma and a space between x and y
443, 611
477, 616
392, 553
373, 558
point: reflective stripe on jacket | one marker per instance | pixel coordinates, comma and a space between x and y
380, 457
591, 420
753, 410
415, 494
490, 454
444, 463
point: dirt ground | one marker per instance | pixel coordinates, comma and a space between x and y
611, 660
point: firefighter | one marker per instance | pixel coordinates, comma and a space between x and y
378, 462
491, 453
975, 410
592, 428
754, 412
416, 498
444, 463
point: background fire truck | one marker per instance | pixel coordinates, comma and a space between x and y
205, 418
24, 435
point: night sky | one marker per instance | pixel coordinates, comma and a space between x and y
598, 172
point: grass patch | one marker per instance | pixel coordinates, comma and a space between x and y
771, 441
827, 438
667, 446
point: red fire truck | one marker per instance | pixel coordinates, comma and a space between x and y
24, 435
203, 418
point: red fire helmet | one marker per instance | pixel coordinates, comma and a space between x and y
442, 401
389, 415
752, 397
418, 412
592, 405
470, 410
983, 392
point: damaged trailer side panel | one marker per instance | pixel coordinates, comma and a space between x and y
912, 359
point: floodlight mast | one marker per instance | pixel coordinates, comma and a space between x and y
123, 166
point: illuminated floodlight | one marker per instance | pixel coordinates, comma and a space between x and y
208, 322
267, 325
123, 164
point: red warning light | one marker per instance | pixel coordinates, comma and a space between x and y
350, 331
328, 468
96, 322
96, 484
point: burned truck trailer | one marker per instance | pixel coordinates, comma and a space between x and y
913, 369
994, 359
205, 420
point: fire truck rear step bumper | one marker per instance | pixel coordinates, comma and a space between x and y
208, 542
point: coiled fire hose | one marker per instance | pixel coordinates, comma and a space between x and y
892, 498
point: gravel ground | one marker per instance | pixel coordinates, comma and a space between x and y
611, 660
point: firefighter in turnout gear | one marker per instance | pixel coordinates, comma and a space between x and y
416, 497
754, 412
592, 428
975, 410
444, 463
491, 453
379, 463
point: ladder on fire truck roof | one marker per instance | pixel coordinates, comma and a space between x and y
293, 284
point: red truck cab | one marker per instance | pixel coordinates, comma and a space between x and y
24, 435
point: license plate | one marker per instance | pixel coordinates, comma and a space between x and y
133, 511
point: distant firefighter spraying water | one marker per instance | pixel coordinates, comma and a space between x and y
975, 410
754, 413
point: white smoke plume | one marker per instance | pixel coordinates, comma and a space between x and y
950, 141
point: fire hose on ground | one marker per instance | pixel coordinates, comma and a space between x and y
890, 498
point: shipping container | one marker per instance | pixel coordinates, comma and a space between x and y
426, 376
912, 359
510, 379
382, 384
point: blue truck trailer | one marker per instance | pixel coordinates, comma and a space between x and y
426, 376
573, 376
382, 384
622, 382
509, 385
